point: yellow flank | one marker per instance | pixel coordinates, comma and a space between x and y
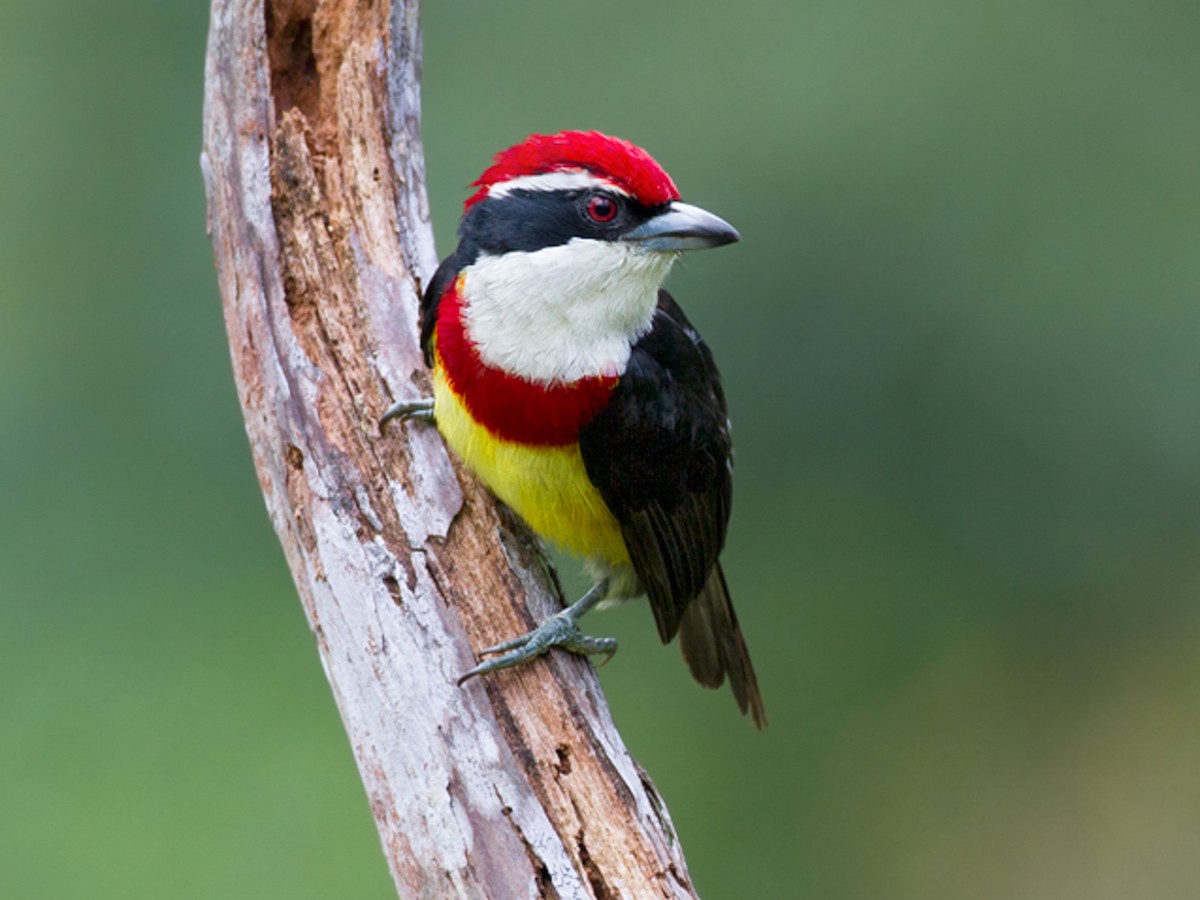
547, 486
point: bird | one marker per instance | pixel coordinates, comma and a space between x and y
575, 388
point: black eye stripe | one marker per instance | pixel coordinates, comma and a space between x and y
529, 220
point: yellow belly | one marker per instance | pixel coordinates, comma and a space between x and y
547, 486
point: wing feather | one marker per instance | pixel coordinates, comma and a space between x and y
660, 455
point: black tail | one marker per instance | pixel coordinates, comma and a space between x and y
713, 646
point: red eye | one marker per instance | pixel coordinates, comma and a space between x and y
601, 208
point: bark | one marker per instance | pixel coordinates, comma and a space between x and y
517, 784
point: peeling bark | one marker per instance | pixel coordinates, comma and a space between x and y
516, 785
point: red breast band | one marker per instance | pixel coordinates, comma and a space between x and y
510, 407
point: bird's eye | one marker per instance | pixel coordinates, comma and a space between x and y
601, 208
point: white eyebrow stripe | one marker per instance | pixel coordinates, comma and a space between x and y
555, 181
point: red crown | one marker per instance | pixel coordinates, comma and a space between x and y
627, 166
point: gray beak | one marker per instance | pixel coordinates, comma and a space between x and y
682, 227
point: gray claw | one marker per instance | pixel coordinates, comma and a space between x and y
420, 410
560, 630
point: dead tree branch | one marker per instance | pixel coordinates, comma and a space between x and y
516, 785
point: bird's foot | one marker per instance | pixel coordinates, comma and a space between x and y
560, 630
420, 410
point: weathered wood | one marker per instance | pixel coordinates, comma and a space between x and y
516, 785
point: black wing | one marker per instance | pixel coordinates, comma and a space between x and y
442, 278
660, 455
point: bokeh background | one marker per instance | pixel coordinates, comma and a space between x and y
961, 342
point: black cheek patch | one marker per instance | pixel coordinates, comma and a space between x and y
521, 221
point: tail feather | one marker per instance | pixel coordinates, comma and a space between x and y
713, 646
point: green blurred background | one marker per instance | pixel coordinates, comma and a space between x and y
960, 342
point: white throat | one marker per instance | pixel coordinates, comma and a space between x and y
563, 313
